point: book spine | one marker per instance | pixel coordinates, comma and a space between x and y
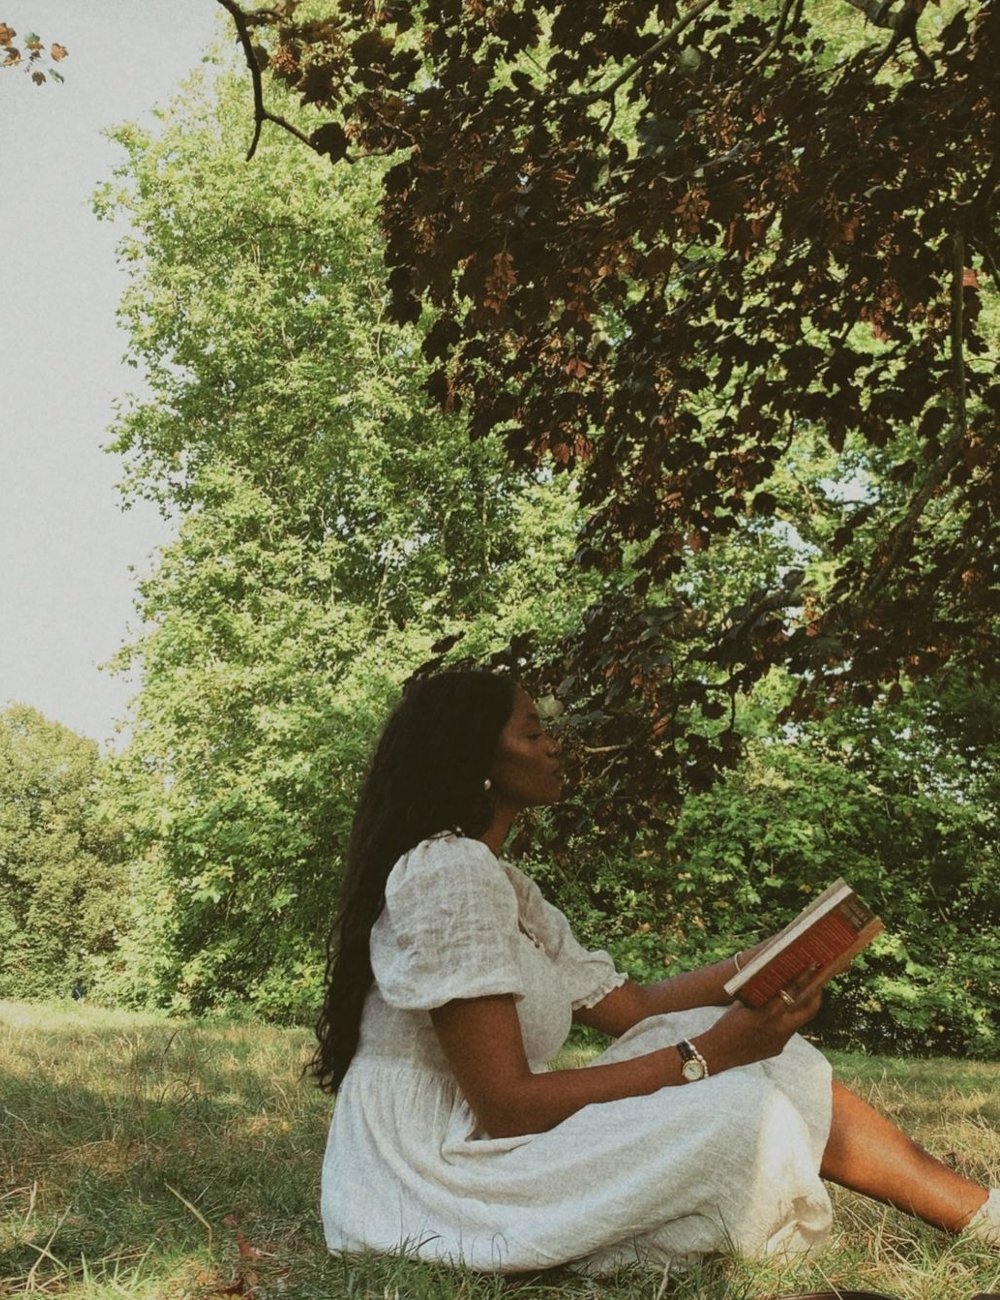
820, 946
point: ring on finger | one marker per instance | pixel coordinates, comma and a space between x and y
787, 998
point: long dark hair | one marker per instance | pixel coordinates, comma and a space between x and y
426, 776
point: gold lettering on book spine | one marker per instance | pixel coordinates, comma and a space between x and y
855, 912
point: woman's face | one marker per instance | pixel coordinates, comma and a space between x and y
527, 770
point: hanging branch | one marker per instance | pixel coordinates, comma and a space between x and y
902, 534
261, 113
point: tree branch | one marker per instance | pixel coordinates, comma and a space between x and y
877, 12
902, 24
903, 532
261, 113
778, 36
651, 53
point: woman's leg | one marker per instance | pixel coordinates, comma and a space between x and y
867, 1153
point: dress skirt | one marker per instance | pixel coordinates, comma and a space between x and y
728, 1164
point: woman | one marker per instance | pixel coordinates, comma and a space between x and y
705, 1126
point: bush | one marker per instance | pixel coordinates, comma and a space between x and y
901, 801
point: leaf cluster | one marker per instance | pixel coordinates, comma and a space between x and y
30, 54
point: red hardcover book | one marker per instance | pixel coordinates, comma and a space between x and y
828, 933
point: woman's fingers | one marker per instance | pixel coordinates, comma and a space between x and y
797, 1002
802, 988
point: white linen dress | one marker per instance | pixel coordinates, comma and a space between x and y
729, 1163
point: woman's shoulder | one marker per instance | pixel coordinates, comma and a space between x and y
449, 928
450, 857
526, 889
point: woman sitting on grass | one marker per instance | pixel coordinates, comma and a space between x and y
704, 1127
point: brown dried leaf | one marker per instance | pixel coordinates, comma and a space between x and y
245, 1248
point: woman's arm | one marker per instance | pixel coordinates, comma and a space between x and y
481, 1037
627, 1005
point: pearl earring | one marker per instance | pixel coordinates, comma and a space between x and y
487, 785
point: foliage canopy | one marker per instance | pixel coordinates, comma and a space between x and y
691, 278
662, 244
330, 529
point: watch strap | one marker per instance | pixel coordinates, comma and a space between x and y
694, 1067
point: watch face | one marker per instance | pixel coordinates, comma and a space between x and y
692, 1070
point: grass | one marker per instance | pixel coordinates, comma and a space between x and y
175, 1160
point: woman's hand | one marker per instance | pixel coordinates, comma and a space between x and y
743, 1035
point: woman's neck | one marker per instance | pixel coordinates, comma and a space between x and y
498, 830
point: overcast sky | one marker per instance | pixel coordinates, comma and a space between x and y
67, 549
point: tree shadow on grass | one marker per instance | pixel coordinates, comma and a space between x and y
150, 1145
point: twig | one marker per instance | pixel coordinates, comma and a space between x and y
649, 54
193, 1208
44, 1252
261, 113
27, 1128
778, 36
957, 329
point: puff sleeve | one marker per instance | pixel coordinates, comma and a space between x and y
588, 975
449, 928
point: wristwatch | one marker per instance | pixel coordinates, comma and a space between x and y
693, 1064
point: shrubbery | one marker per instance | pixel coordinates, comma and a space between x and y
901, 800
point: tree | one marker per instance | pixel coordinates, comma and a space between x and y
662, 246
331, 531
61, 862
